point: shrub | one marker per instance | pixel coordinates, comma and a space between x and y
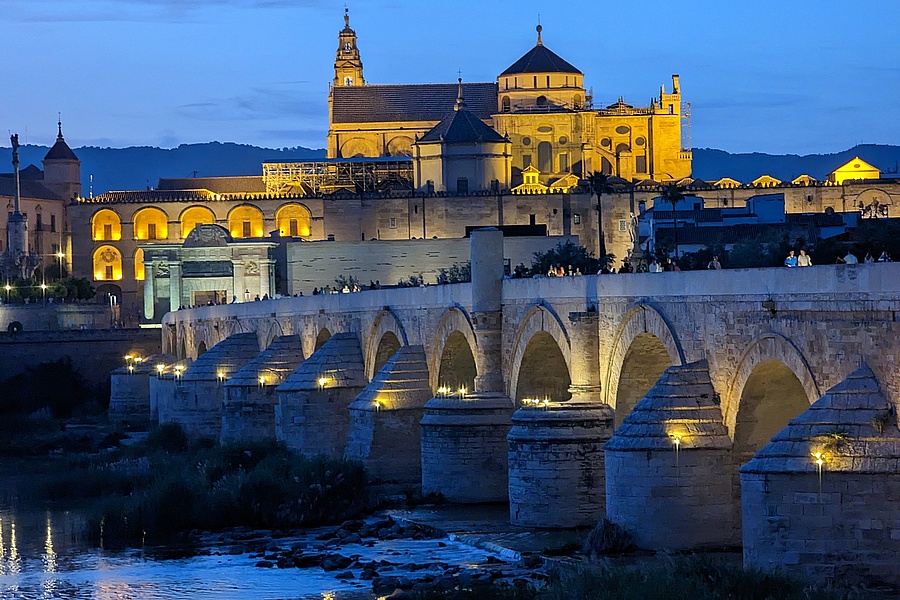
607, 538
168, 437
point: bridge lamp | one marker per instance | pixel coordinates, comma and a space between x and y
8, 289
131, 369
322, 381
462, 392
220, 375
179, 369
159, 369
262, 381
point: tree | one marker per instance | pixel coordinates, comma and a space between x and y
673, 195
565, 255
600, 185
458, 273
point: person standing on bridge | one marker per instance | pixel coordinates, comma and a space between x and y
804, 260
850, 259
714, 263
791, 260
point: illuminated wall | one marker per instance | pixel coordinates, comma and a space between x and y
151, 224
107, 264
293, 220
245, 221
195, 215
139, 264
106, 226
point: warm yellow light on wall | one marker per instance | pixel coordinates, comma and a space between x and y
151, 224
322, 382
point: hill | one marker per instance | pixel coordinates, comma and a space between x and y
142, 166
712, 164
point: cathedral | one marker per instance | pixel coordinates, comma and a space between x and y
538, 106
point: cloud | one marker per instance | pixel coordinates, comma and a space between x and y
278, 102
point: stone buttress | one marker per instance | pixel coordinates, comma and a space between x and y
129, 389
250, 398
312, 415
384, 419
196, 403
556, 460
820, 500
668, 466
466, 433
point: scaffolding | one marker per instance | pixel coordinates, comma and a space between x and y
314, 178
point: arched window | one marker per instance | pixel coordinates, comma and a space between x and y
245, 222
541, 101
106, 226
195, 215
151, 224
107, 264
505, 104
139, 264
293, 220
578, 102
545, 157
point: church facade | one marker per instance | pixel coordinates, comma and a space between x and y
539, 103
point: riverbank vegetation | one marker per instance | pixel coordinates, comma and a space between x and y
158, 489
664, 578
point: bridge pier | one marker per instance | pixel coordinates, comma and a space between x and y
556, 461
129, 390
195, 401
312, 415
668, 466
384, 419
464, 453
248, 411
833, 521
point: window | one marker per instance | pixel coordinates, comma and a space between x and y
39, 225
564, 163
532, 219
348, 81
535, 81
246, 232
462, 186
671, 109
505, 105
393, 223
640, 164
52, 223
576, 218
108, 274
416, 209
151, 231
107, 231
623, 225
293, 228
545, 157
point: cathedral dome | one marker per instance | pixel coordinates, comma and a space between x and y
540, 59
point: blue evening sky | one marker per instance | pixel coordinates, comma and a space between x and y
788, 76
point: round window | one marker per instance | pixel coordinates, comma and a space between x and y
639, 142
563, 140
622, 129
545, 129
526, 141
606, 142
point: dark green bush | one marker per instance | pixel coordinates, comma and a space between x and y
607, 538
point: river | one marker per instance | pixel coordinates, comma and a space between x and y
47, 555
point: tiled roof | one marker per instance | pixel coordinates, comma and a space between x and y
540, 59
60, 150
226, 357
274, 364
27, 188
415, 102
339, 362
218, 185
461, 127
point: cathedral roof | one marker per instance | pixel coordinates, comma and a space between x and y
28, 188
413, 102
461, 127
540, 59
60, 150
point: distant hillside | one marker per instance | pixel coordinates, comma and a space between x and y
712, 164
139, 167
142, 166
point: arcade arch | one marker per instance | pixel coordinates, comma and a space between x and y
245, 221
106, 226
139, 265
644, 363
151, 224
107, 264
387, 347
540, 319
293, 220
193, 216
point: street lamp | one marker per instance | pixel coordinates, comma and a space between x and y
8, 288
60, 255
44, 293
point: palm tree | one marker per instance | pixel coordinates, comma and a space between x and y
600, 185
673, 195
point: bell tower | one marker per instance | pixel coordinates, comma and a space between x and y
348, 68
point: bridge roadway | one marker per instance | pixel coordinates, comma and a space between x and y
775, 339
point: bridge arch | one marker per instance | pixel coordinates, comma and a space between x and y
644, 346
269, 333
454, 345
773, 383
386, 336
542, 326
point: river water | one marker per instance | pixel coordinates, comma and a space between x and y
46, 555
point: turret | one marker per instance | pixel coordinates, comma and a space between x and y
62, 169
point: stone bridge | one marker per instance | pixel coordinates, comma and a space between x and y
506, 389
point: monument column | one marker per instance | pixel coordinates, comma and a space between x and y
464, 453
149, 291
174, 285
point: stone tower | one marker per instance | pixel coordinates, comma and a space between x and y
348, 67
62, 169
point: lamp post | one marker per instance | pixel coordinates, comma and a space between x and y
44, 293
8, 288
60, 255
